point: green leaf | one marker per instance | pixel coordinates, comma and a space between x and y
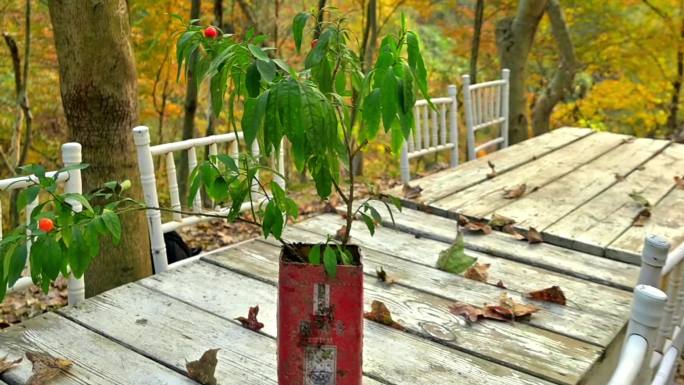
218, 190
318, 53
371, 114
217, 88
229, 162
375, 214
416, 63
345, 255
454, 259
15, 261
273, 221
51, 254
397, 137
330, 261
267, 69
323, 180
79, 255
298, 25
27, 196
638, 198
195, 183
113, 224
258, 52
315, 255
253, 116
369, 223
389, 100
253, 81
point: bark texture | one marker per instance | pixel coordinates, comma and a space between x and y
475, 45
672, 121
99, 95
514, 37
561, 84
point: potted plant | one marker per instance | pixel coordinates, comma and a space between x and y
320, 303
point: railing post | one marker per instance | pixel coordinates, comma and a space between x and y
468, 105
670, 321
653, 257
453, 125
506, 75
404, 164
647, 311
279, 165
71, 155
141, 136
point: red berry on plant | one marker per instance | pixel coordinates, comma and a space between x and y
46, 224
210, 32
314, 43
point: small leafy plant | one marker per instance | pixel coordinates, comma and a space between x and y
64, 230
329, 111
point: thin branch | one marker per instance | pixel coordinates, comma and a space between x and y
389, 16
655, 9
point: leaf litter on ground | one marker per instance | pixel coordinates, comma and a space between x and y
515, 192
478, 272
6, 364
411, 192
534, 236
203, 370
506, 310
454, 259
499, 221
383, 277
492, 173
380, 313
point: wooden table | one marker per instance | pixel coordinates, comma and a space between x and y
578, 186
143, 333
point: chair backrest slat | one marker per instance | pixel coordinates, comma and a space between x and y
486, 105
432, 133
174, 191
192, 164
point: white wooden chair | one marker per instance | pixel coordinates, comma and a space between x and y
146, 154
654, 338
71, 182
486, 105
432, 134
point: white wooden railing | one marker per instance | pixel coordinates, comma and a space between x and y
654, 339
432, 133
71, 181
486, 105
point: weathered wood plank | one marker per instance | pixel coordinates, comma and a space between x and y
443, 183
97, 360
488, 196
587, 296
389, 354
593, 226
566, 320
541, 208
666, 220
547, 256
520, 346
172, 332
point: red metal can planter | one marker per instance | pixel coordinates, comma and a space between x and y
320, 324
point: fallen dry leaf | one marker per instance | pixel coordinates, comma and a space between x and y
381, 314
642, 217
515, 310
6, 365
516, 192
628, 140
382, 276
45, 367
462, 220
492, 173
478, 227
251, 321
509, 229
469, 312
533, 236
203, 369
500, 221
679, 182
550, 294
501, 284
478, 272
619, 177
411, 192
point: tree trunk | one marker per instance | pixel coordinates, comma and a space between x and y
319, 19
677, 83
475, 45
99, 96
514, 37
562, 82
189, 117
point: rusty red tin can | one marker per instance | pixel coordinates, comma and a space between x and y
320, 323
